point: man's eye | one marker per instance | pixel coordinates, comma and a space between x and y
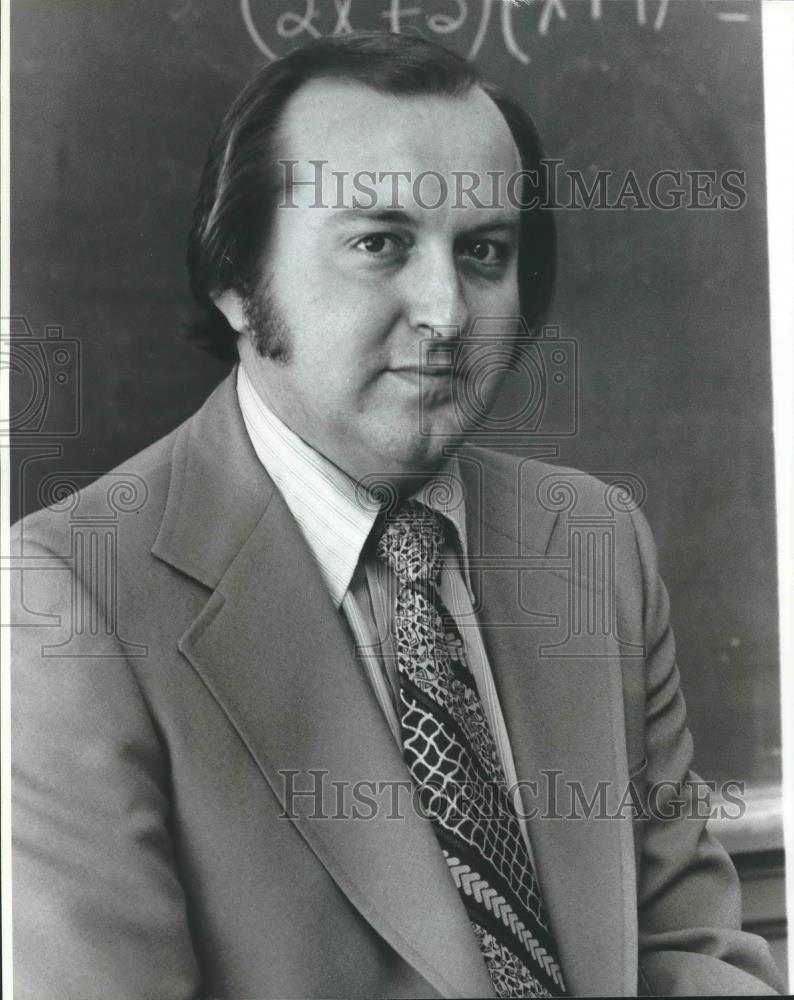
486, 252
379, 244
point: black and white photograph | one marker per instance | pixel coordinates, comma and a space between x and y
397, 560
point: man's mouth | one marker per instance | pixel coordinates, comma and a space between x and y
426, 371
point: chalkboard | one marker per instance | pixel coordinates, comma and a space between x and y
113, 105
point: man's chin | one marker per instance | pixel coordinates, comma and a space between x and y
414, 459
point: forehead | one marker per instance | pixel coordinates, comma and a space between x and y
356, 128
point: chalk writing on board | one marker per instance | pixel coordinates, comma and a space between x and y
315, 18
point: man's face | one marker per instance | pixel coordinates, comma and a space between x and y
358, 292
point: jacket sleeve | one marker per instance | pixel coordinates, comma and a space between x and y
98, 908
689, 906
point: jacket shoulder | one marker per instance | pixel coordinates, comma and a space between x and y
131, 496
561, 487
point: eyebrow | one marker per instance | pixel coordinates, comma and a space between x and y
505, 223
388, 215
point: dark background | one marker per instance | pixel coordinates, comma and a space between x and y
113, 107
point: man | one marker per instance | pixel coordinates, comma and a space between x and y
319, 599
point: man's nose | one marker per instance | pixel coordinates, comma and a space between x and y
436, 301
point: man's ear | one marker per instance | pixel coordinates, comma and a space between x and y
230, 304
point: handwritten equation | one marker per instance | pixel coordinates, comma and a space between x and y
338, 17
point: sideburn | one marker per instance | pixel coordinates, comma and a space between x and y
269, 331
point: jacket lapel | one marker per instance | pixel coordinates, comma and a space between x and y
279, 660
564, 717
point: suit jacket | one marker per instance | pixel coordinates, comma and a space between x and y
178, 669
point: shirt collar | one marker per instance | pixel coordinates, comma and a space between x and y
334, 514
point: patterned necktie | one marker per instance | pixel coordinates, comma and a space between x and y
451, 755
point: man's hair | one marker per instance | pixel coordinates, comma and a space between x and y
241, 184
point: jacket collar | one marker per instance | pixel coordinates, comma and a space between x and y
218, 491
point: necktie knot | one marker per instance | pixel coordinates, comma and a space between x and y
411, 543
